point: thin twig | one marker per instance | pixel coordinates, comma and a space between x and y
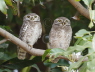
3, 41
18, 10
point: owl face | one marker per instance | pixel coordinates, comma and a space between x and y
31, 17
61, 22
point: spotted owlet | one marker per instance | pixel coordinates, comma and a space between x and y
60, 34
30, 32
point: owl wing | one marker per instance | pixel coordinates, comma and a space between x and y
23, 30
52, 39
53, 43
21, 52
40, 30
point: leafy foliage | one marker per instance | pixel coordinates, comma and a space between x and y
83, 37
3, 6
18, 64
84, 40
92, 12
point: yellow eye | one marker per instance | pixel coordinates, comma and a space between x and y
59, 20
35, 16
66, 20
28, 16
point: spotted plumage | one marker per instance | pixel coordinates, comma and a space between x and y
60, 34
30, 32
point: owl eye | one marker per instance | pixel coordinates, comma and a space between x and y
35, 16
66, 20
28, 16
59, 20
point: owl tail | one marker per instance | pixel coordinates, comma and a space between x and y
21, 54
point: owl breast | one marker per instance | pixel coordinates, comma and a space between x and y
30, 32
60, 35
33, 33
60, 39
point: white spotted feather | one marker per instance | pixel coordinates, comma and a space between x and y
30, 32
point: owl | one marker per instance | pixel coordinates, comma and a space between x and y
60, 34
30, 32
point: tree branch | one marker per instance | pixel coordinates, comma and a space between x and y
18, 42
21, 44
80, 8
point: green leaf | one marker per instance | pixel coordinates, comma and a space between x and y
93, 42
33, 2
91, 54
45, 53
91, 65
19, 64
3, 7
26, 1
83, 68
8, 2
19, 0
15, 8
35, 66
41, 3
55, 52
76, 64
6, 70
61, 62
77, 0
6, 28
87, 37
50, 64
81, 33
1, 70
78, 41
79, 48
1, 54
88, 2
92, 15
10, 13
4, 45
56, 70
27, 69
7, 56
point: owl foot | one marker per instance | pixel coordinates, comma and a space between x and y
30, 45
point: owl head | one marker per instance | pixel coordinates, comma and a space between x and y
31, 17
61, 22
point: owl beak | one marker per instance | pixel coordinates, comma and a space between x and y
32, 18
63, 23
